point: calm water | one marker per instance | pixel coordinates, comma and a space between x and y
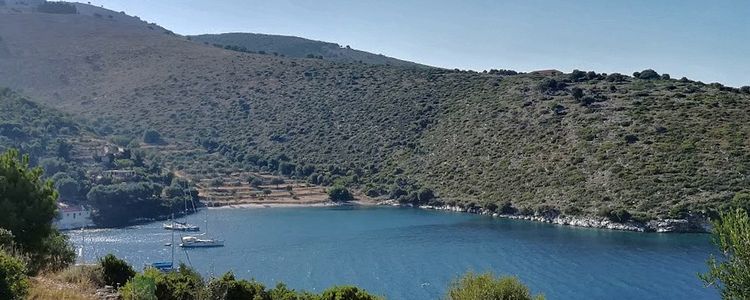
414, 254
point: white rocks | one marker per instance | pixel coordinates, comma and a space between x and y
694, 224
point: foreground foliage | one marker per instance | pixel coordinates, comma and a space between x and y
14, 284
486, 286
27, 208
186, 284
731, 273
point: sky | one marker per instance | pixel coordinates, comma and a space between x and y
702, 40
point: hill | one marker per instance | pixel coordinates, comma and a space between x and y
577, 144
297, 47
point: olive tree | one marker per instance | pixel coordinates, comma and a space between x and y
731, 273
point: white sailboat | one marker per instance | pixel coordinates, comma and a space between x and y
198, 241
182, 226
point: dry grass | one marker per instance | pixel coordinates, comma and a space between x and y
43, 288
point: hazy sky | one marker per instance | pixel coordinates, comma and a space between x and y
703, 40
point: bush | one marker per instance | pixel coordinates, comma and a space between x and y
665, 76
577, 93
348, 293
731, 234
745, 89
151, 136
340, 194
486, 286
57, 8
227, 287
577, 75
141, 287
14, 284
648, 74
550, 85
55, 253
115, 272
615, 77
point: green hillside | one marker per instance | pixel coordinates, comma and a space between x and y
292, 46
579, 144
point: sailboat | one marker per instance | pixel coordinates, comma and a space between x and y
182, 226
198, 241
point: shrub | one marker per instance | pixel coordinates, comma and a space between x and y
665, 76
141, 287
227, 287
151, 136
277, 181
115, 272
577, 93
14, 284
348, 293
648, 74
577, 75
57, 8
186, 283
731, 234
486, 286
550, 85
340, 194
615, 77
745, 89
425, 195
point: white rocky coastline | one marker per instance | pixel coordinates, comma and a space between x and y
696, 224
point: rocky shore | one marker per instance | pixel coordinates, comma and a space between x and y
694, 224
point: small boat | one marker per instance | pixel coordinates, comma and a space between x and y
196, 242
166, 266
180, 226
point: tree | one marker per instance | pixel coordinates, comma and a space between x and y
14, 284
731, 274
486, 286
151, 136
348, 293
67, 188
745, 89
340, 194
116, 272
27, 204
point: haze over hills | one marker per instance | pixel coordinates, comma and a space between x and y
577, 144
299, 48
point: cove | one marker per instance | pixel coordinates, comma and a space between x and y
405, 253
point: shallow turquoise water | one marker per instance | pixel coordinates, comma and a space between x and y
413, 254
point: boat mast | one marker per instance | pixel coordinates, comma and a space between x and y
172, 244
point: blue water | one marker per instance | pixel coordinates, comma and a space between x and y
414, 254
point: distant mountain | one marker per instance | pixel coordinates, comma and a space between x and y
541, 143
297, 47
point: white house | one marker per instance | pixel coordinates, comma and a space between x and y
72, 217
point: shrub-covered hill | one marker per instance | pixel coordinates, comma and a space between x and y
34, 129
297, 47
574, 143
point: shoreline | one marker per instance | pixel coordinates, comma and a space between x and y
693, 225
